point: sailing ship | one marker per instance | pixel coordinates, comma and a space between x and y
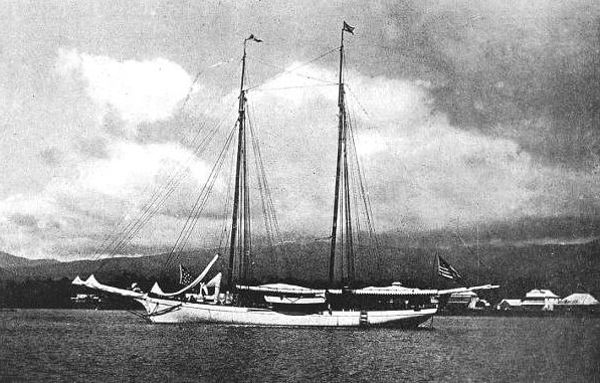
281, 304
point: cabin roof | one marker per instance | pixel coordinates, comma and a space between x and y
464, 294
540, 293
285, 288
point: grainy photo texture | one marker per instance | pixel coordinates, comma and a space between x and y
300, 191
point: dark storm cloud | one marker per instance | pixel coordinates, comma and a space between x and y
510, 69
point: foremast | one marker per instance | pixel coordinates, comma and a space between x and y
241, 205
342, 187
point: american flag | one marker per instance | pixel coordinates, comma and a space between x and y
447, 271
185, 277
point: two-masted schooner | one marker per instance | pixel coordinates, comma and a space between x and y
281, 304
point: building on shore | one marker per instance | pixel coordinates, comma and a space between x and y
579, 302
535, 300
466, 300
509, 304
545, 300
539, 299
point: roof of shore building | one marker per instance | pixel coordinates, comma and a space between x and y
511, 302
579, 299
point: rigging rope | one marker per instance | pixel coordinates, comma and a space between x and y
290, 70
362, 182
172, 183
226, 209
361, 185
149, 210
294, 87
118, 240
268, 209
201, 201
159, 197
364, 110
267, 188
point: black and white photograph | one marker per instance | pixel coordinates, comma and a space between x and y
300, 191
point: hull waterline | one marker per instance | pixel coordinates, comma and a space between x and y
170, 311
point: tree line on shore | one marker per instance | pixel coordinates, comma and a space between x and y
563, 269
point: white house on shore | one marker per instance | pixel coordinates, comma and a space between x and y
546, 300
579, 299
539, 299
535, 300
579, 303
466, 300
508, 304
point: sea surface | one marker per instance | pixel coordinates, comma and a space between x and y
116, 346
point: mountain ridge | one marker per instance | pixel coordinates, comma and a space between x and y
563, 268
8, 261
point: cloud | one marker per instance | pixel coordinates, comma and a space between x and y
129, 167
75, 213
423, 171
139, 91
468, 111
102, 180
520, 70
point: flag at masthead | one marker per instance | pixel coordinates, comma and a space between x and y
348, 28
254, 38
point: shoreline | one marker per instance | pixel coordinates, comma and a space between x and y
471, 313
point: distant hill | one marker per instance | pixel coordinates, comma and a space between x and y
8, 261
563, 268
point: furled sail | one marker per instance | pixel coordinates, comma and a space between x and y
216, 283
282, 288
158, 291
463, 289
93, 283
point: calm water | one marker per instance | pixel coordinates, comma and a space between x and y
79, 345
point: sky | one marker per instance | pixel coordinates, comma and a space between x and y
470, 112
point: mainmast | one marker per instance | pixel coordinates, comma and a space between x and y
241, 196
342, 172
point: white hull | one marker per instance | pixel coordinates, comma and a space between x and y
171, 311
